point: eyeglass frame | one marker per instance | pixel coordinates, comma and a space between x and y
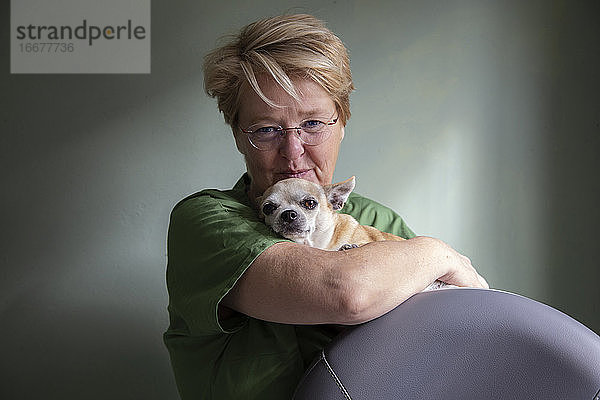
281, 130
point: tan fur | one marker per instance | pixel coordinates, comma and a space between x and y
348, 231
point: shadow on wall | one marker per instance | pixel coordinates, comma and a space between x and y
572, 144
61, 349
66, 335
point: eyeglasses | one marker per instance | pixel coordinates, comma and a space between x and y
311, 132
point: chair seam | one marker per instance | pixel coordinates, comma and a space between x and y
335, 377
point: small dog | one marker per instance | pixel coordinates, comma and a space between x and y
305, 212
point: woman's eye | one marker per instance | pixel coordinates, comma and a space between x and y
312, 125
309, 204
268, 209
266, 130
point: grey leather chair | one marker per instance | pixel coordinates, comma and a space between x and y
460, 344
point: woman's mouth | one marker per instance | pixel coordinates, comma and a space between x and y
294, 174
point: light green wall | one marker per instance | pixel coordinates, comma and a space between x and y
478, 121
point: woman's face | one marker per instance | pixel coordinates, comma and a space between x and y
290, 158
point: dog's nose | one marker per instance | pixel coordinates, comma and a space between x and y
289, 215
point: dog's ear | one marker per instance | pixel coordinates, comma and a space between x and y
338, 193
258, 201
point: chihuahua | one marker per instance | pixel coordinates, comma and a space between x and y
306, 213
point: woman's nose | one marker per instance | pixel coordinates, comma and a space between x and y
291, 147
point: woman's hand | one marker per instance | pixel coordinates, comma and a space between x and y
454, 268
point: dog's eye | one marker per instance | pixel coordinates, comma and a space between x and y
309, 203
269, 208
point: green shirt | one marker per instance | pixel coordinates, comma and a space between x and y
213, 237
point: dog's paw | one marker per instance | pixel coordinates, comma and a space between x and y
439, 285
348, 247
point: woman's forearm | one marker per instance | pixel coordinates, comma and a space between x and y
382, 275
292, 283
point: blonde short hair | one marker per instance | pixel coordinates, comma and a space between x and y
283, 47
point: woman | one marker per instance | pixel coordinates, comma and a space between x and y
249, 310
